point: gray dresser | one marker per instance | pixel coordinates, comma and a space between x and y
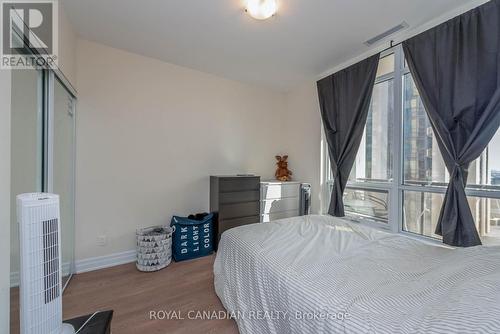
235, 200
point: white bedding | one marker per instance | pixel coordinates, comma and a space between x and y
319, 274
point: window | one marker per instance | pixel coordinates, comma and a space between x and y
386, 65
422, 161
421, 213
374, 159
368, 204
484, 173
399, 177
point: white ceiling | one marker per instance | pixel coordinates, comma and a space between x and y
305, 39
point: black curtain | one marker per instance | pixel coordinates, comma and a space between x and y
344, 99
456, 70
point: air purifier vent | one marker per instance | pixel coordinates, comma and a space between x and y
51, 259
385, 34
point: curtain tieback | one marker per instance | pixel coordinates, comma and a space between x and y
457, 170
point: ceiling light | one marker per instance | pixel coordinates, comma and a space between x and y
261, 9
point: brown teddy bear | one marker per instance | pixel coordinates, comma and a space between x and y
282, 172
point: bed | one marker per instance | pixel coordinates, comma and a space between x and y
320, 274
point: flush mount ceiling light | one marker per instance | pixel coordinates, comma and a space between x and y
261, 9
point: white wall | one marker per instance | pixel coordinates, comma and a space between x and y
5, 86
149, 134
67, 46
302, 138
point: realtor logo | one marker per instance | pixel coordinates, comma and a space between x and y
29, 34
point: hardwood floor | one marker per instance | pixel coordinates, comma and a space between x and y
181, 287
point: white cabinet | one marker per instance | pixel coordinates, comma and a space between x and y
279, 200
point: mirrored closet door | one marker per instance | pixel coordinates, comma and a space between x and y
26, 149
61, 169
42, 158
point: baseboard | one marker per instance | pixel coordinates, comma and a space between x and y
106, 261
90, 264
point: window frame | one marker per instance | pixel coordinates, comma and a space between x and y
396, 187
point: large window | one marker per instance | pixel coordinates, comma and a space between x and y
374, 159
399, 177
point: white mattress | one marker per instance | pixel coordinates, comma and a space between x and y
319, 274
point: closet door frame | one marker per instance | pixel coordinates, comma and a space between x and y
48, 82
49, 78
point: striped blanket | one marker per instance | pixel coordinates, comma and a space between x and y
319, 274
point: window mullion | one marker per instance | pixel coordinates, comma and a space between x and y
396, 193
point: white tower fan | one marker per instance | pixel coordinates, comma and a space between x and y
40, 271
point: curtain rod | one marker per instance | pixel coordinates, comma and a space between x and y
392, 44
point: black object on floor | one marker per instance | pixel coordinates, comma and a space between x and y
198, 216
99, 324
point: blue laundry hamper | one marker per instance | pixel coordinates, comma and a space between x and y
192, 238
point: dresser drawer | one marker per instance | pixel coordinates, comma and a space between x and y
278, 215
278, 205
239, 184
239, 196
279, 190
237, 210
230, 223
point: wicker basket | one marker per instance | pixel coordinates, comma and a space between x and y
154, 247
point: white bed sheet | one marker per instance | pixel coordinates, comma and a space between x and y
320, 274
